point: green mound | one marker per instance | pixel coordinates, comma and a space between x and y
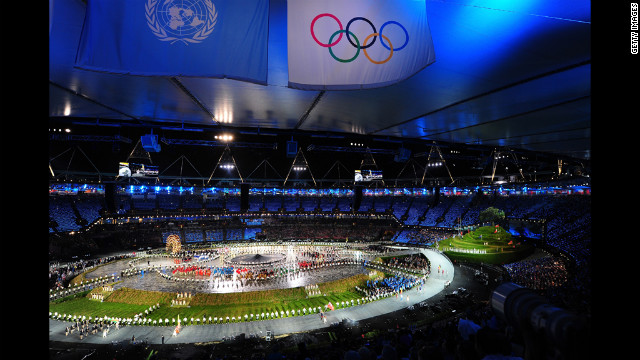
489, 244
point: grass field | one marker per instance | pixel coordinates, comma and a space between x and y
485, 245
126, 303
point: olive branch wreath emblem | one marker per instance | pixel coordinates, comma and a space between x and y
158, 30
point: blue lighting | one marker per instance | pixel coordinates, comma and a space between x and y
480, 35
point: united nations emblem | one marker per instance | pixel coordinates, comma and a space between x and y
187, 21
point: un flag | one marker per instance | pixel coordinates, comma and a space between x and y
194, 38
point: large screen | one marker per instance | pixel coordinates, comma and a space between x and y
137, 170
368, 175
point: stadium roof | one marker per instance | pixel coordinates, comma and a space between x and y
508, 74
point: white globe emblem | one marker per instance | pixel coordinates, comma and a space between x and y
186, 21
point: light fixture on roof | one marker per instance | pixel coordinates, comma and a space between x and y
224, 137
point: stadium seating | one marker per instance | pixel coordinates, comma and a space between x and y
214, 235
193, 235
418, 207
568, 216
250, 233
61, 210
273, 203
255, 202
89, 207
327, 203
233, 203
309, 203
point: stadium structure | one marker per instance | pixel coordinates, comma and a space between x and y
215, 218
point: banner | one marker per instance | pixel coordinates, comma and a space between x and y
356, 44
195, 38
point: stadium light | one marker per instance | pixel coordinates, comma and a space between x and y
224, 137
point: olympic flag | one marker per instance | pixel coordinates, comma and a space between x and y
356, 44
199, 38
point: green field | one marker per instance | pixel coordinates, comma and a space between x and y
490, 247
126, 303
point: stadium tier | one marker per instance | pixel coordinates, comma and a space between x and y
567, 214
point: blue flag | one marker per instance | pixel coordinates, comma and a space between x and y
193, 38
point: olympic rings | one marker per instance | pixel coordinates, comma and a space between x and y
406, 34
364, 49
314, 35
349, 24
357, 45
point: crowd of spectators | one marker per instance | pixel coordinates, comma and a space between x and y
416, 210
250, 233
168, 201
60, 273
390, 285
273, 203
233, 203
568, 216
455, 211
381, 204
193, 235
141, 202
234, 234
422, 236
343, 204
366, 204
214, 203
400, 206
476, 334
214, 235
569, 227
414, 262
327, 203
325, 229
89, 207
308, 203
437, 212
61, 211
538, 274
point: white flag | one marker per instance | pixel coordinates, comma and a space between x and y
356, 44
